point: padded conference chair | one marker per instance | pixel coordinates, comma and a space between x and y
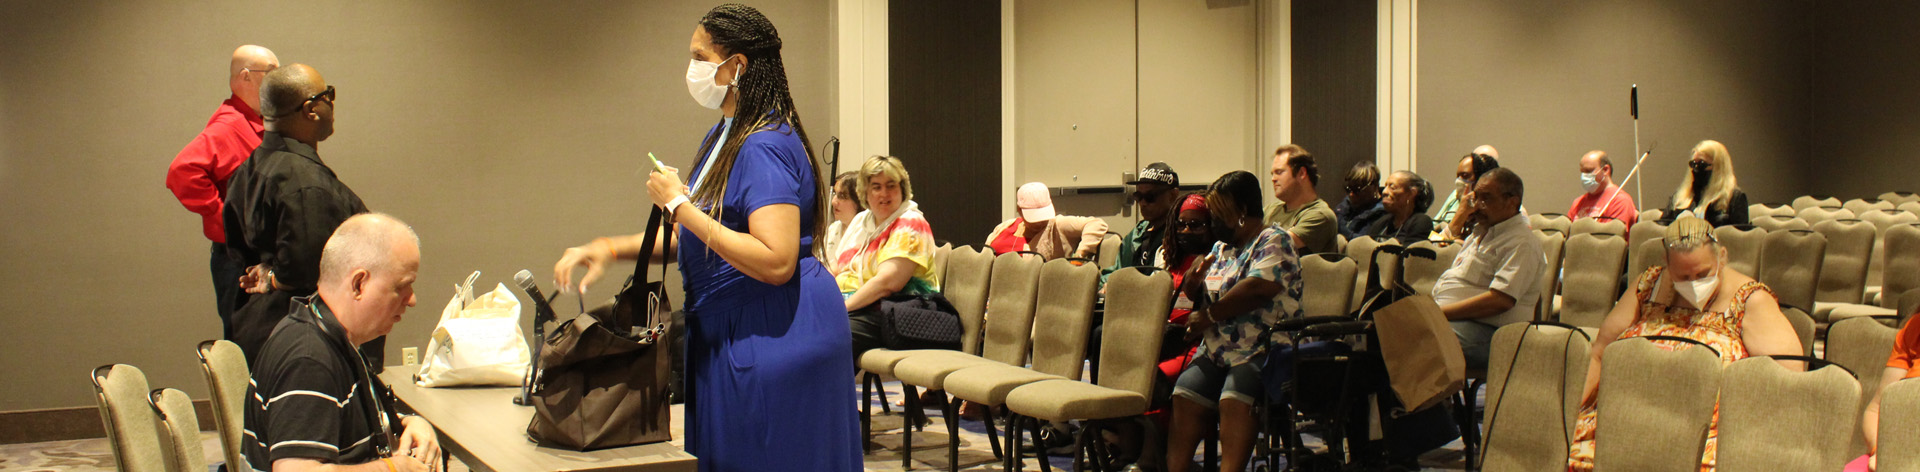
1898, 198
1900, 427
1773, 419
1595, 225
1361, 251
1862, 206
180, 431
1882, 221
132, 427
1553, 245
966, 288
1593, 265
1533, 395
1643, 231
1791, 265
1109, 249
1647, 254
1760, 209
1058, 349
940, 255
1329, 279
1423, 273
1901, 263
1815, 215
1135, 317
1009, 326
1552, 221
1779, 223
1861, 345
1803, 327
1744, 246
227, 379
1843, 270
1815, 201
1655, 404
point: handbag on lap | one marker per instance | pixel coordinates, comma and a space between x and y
602, 378
925, 321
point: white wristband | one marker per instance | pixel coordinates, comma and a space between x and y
675, 203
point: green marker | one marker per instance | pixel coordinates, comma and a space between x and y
657, 165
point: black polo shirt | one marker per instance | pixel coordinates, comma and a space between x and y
310, 395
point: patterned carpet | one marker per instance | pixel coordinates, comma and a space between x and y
929, 452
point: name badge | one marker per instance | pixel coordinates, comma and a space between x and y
1182, 303
1215, 282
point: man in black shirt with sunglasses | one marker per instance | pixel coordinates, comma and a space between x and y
283, 203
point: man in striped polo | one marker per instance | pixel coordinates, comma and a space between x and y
314, 403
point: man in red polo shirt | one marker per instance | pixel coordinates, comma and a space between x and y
198, 175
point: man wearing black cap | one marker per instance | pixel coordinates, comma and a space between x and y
1156, 191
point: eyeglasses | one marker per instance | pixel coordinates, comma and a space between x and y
1361, 188
1183, 225
327, 94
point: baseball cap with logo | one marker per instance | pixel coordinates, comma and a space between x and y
1035, 203
1159, 173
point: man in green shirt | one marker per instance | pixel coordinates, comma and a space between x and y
1300, 210
1156, 191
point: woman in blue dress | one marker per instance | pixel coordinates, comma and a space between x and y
767, 332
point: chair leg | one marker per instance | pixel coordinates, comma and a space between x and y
1080, 450
993, 435
912, 416
1039, 445
885, 406
1212, 455
1013, 458
952, 412
866, 412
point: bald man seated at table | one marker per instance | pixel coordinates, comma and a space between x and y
314, 403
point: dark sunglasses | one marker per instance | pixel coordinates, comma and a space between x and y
1149, 195
1183, 225
327, 94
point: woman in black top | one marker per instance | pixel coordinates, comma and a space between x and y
1406, 198
1709, 189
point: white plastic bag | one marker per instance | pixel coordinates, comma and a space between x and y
478, 341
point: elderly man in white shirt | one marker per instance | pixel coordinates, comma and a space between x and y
1495, 280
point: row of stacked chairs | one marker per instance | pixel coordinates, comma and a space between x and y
156, 430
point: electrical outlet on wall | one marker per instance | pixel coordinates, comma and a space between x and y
411, 355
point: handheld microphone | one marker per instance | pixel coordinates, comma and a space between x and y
541, 310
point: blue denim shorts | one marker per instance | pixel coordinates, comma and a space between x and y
1207, 383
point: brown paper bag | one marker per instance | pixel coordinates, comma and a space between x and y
1422, 354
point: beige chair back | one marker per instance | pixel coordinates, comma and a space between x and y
1340, 243
1758, 210
1360, 250
1641, 232
1010, 305
1137, 308
1593, 266
1594, 225
1900, 428
1534, 377
1744, 246
1862, 206
1109, 250
1883, 221
1898, 197
1809, 201
1803, 327
1909, 207
181, 431
1651, 214
1552, 245
1815, 215
1773, 419
1648, 254
1790, 265
1779, 223
227, 378
1550, 221
939, 269
969, 271
133, 430
1655, 404
1862, 345
1328, 280
1066, 315
1843, 270
1423, 273
1901, 261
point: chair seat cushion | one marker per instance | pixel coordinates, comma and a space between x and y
1061, 400
1842, 311
880, 361
930, 368
990, 384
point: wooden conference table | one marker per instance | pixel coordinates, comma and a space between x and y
483, 428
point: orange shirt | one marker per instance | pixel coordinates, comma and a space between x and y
1906, 348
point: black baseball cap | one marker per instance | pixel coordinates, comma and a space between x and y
1158, 173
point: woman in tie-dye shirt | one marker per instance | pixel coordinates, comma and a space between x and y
887, 249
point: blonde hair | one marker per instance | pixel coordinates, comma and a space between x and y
1688, 233
884, 165
1719, 188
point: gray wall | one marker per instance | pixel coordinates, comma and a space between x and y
944, 99
1866, 109
503, 132
1547, 81
1335, 78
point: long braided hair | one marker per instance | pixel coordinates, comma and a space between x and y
763, 103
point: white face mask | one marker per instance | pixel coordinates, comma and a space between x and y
1698, 290
1589, 181
700, 83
